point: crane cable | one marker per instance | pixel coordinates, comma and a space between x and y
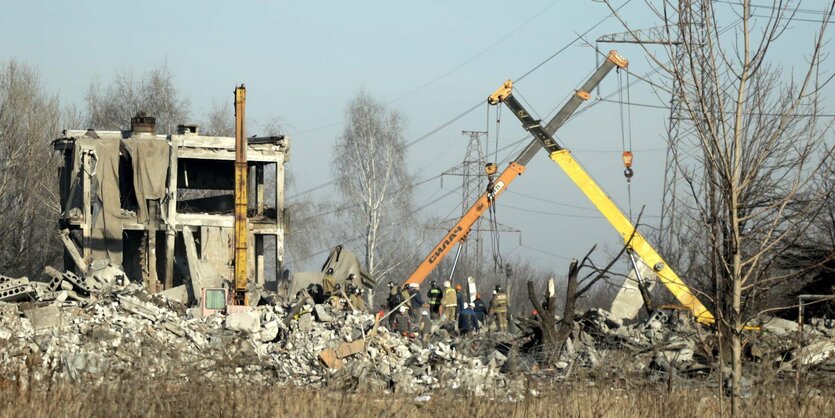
490, 170
626, 136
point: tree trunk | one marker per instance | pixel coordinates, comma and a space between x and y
553, 338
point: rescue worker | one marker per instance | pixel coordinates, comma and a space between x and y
350, 287
459, 297
498, 308
394, 297
392, 302
328, 283
402, 323
435, 295
450, 303
467, 320
335, 300
417, 301
404, 293
479, 308
425, 327
356, 300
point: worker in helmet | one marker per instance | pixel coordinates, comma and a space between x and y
402, 323
459, 297
356, 300
467, 320
498, 308
480, 309
335, 300
425, 327
393, 301
328, 283
416, 302
435, 295
450, 303
350, 286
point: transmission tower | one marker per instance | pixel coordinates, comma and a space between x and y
688, 32
474, 182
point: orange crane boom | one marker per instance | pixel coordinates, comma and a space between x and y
459, 232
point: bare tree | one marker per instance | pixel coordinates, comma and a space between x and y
749, 163
29, 119
154, 93
370, 167
220, 121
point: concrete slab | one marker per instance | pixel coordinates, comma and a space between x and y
246, 322
329, 358
178, 293
44, 318
348, 349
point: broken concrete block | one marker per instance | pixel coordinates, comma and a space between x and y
779, 326
348, 349
178, 293
43, 318
269, 332
246, 322
328, 358
305, 322
322, 313
143, 309
817, 353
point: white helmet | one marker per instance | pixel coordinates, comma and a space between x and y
446, 283
414, 285
402, 309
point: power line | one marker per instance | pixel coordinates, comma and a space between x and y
806, 115
579, 37
771, 7
562, 215
545, 252
484, 51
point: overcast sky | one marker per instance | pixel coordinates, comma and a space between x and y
431, 60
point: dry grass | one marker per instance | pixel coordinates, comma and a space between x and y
137, 396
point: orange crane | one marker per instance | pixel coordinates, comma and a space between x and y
497, 186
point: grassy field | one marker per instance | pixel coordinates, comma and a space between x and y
138, 397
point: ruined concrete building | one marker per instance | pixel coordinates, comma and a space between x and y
161, 207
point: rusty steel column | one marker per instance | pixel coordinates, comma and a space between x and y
239, 295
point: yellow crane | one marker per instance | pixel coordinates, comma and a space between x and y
633, 239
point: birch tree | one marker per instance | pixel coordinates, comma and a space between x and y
30, 119
749, 166
369, 163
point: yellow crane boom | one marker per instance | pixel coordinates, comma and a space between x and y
604, 204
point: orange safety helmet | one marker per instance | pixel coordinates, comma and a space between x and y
458, 287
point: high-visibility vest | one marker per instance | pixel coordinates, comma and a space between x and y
435, 295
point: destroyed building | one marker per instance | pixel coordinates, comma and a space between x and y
161, 206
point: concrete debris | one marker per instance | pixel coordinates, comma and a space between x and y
817, 353
246, 322
82, 330
44, 318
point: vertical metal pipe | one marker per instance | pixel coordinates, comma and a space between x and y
239, 295
455, 262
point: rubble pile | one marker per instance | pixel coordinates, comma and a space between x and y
82, 333
101, 327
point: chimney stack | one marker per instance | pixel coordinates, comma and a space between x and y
141, 124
